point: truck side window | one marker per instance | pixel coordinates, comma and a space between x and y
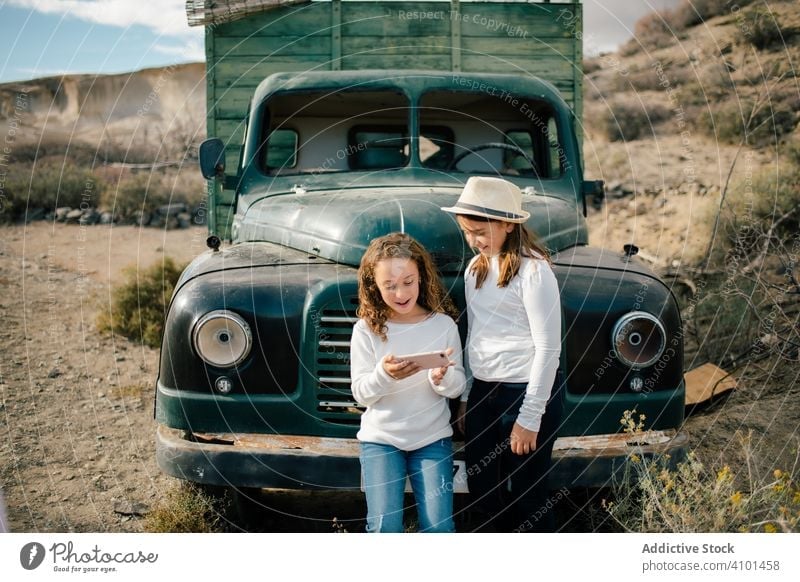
281, 150
555, 150
513, 162
436, 145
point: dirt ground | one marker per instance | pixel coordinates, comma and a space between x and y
76, 407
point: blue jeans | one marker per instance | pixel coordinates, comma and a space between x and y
384, 469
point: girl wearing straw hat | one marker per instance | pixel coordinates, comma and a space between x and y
510, 414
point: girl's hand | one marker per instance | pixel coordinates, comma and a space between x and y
523, 441
437, 375
399, 369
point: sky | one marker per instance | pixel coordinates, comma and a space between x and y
40, 38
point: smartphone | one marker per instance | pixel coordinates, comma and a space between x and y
427, 360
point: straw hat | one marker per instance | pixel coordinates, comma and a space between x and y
492, 198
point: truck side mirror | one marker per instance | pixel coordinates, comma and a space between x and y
596, 189
212, 158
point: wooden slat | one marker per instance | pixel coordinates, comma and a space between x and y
248, 73
396, 45
301, 48
367, 61
522, 47
231, 131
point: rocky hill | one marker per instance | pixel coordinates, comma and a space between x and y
155, 110
698, 88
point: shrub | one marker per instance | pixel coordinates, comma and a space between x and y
693, 12
651, 32
139, 305
628, 120
146, 192
47, 185
694, 499
762, 29
731, 121
187, 508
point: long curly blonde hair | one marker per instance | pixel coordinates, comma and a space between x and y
432, 294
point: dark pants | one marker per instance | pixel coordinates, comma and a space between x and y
508, 492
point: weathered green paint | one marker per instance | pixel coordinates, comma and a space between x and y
526, 38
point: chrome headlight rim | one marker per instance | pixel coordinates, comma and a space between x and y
625, 320
235, 319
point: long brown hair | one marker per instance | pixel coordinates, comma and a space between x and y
432, 295
519, 243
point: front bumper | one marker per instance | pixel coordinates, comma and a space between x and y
315, 463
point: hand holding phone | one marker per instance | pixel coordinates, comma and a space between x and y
427, 360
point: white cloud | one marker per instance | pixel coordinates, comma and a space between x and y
165, 17
193, 50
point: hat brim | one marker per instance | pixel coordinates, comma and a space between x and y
491, 215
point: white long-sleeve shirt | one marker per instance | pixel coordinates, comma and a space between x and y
515, 332
413, 412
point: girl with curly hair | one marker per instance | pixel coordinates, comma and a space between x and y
405, 430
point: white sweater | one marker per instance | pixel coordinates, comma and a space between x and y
515, 332
410, 413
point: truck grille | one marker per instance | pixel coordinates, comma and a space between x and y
334, 326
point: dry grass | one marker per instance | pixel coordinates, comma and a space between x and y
139, 306
693, 498
187, 508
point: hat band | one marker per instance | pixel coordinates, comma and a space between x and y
489, 211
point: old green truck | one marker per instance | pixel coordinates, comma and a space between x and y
332, 123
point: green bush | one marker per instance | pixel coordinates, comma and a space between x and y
47, 185
138, 306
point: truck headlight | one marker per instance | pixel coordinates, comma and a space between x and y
222, 338
638, 339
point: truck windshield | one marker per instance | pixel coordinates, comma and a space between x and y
335, 131
489, 132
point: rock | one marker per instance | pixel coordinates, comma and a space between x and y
73, 216
157, 221
54, 373
184, 220
172, 209
106, 218
135, 508
141, 218
61, 213
90, 216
